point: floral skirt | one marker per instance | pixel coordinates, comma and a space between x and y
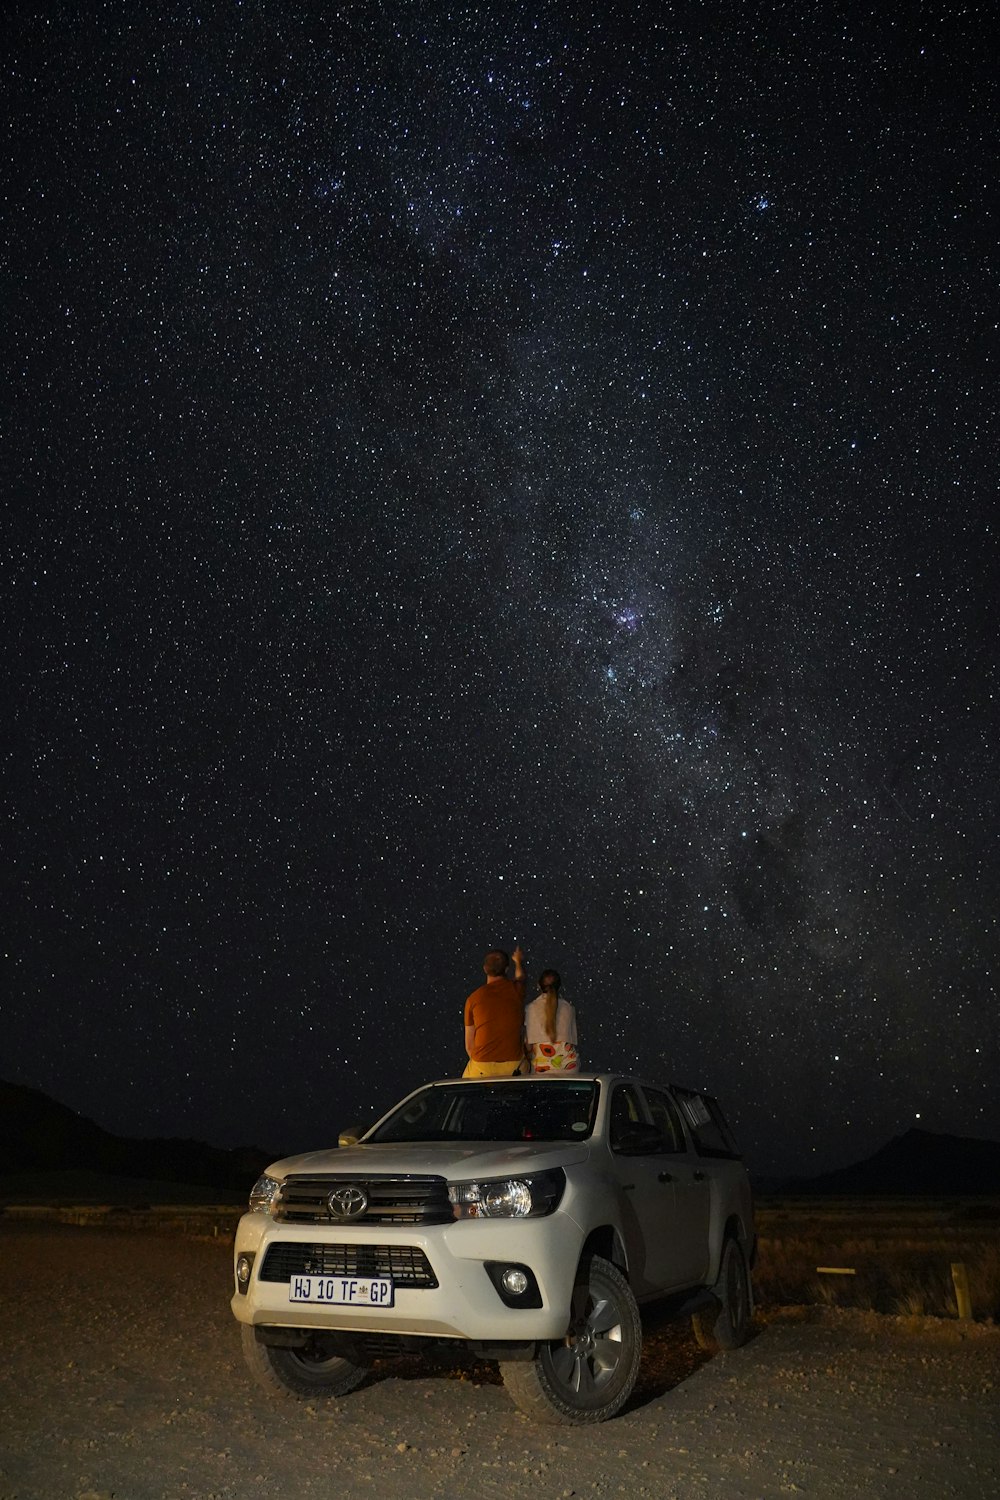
553, 1057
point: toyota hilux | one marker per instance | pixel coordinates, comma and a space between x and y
528, 1219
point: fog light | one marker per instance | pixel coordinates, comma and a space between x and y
515, 1285
514, 1281
244, 1265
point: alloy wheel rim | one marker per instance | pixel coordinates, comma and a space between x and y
736, 1290
588, 1358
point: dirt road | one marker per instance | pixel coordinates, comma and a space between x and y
122, 1377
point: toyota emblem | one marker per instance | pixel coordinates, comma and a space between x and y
347, 1202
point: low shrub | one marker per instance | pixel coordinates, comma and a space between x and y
907, 1272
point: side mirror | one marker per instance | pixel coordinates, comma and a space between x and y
351, 1135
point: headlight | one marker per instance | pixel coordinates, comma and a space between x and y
508, 1197
263, 1194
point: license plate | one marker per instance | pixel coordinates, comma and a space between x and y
342, 1291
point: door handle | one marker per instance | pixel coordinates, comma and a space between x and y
628, 1187
665, 1177
699, 1177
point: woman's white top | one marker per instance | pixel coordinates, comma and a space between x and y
534, 1021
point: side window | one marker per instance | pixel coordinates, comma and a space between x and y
665, 1118
707, 1124
626, 1113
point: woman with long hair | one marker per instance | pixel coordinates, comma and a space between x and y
550, 1028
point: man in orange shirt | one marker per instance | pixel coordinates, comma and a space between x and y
494, 1019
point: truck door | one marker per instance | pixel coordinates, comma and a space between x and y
657, 1254
692, 1189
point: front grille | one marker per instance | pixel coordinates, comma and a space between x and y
406, 1264
391, 1200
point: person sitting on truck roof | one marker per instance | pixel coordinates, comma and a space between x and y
550, 1028
494, 1020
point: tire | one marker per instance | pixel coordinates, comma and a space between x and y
299, 1374
588, 1375
726, 1325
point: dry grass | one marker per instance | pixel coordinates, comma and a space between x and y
901, 1252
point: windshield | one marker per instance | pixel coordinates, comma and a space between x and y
546, 1110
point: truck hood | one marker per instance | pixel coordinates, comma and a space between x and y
456, 1163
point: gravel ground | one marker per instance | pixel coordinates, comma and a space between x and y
122, 1379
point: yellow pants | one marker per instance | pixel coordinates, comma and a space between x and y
493, 1070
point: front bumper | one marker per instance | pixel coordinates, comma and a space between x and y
464, 1305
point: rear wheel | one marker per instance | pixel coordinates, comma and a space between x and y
588, 1375
726, 1324
307, 1373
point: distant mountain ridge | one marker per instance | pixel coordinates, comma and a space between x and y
38, 1135
918, 1164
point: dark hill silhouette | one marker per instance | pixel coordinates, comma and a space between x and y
919, 1164
40, 1136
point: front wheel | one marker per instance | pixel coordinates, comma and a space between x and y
726, 1324
301, 1374
588, 1375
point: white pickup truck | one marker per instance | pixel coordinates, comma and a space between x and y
527, 1218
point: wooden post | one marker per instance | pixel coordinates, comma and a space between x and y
960, 1278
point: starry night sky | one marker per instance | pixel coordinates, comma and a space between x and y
485, 474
